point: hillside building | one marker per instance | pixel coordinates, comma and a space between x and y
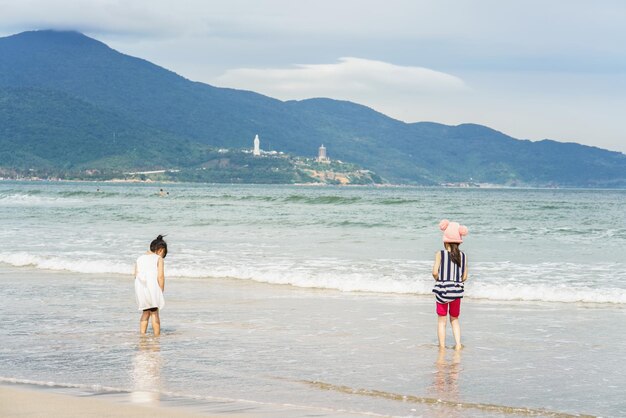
257, 146
321, 155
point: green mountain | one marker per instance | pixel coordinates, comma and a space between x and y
160, 119
50, 129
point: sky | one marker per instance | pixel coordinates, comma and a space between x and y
532, 69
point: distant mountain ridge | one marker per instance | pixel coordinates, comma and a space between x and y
166, 120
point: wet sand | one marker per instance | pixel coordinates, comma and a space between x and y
34, 401
27, 403
231, 347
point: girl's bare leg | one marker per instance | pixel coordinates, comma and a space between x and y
441, 331
156, 323
143, 322
456, 331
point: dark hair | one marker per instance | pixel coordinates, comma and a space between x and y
455, 254
157, 244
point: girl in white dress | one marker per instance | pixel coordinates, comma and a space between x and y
150, 284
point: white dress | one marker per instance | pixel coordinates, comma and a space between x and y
147, 289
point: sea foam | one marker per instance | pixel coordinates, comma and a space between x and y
491, 281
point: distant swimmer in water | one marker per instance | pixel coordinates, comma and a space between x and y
162, 193
150, 285
450, 273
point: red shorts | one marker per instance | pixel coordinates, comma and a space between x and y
455, 308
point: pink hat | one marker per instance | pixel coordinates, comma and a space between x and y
452, 231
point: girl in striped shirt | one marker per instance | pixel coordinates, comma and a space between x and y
450, 273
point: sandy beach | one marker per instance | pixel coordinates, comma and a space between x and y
22, 403
33, 401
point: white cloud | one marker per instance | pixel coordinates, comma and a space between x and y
350, 78
100, 17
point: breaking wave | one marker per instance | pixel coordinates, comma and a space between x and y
490, 281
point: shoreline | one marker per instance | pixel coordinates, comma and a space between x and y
482, 186
28, 400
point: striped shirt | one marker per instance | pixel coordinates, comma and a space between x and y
449, 285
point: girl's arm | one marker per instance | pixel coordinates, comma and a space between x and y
465, 271
161, 274
436, 265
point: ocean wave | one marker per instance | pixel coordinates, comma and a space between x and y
397, 201
357, 224
293, 198
93, 193
491, 281
22, 259
32, 192
38, 197
29, 199
321, 200
95, 388
546, 293
251, 197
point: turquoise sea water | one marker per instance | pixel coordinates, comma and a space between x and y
355, 329
549, 245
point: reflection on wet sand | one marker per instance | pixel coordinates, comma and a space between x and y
444, 398
445, 384
146, 373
